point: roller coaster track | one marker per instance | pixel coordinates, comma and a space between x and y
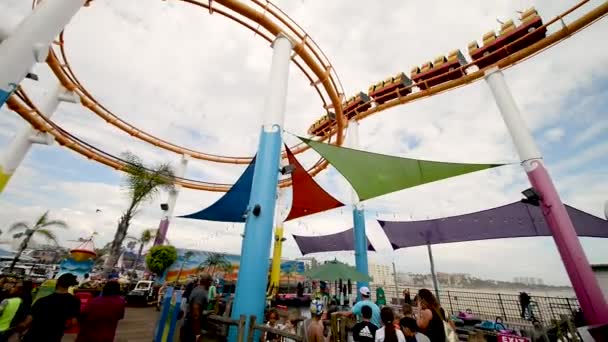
21, 104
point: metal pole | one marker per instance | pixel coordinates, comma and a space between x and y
161, 233
433, 274
275, 272
395, 279
358, 216
577, 266
255, 250
29, 42
23, 141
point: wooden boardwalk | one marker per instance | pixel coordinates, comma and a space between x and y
137, 326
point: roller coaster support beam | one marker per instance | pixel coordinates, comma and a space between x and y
358, 215
255, 251
29, 42
275, 269
21, 144
577, 266
161, 233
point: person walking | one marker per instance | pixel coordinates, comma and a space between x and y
365, 331
8, 311
100, 317
388, 333
315, 330
366, 301
409, 327
52, 313
430, 317
197, 302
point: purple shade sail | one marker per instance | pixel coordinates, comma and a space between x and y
342, 241
509, 221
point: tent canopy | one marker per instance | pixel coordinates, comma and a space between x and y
232, 206
308, 196
373, 175
342, 241
509, 221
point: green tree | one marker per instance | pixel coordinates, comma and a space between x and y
215, 262
40, 228
159, 258
187, 257
142, 185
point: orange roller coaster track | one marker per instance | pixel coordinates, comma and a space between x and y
21, 104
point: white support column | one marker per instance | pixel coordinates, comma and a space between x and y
21, 144
167, 214
29, 42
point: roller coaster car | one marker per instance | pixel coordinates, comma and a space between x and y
494, 47
443, 69
321, 126
391, 88
351, 107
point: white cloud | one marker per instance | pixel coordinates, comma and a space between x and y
199, 81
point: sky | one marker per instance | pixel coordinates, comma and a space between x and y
199, 80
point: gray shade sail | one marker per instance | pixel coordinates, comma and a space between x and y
509, 221
342, 241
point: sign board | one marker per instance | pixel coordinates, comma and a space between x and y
511, 338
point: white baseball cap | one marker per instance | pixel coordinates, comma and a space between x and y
364, 290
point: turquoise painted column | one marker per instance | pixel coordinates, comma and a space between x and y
29, 43
250, 297
358, 215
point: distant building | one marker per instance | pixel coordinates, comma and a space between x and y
309, 262
529, 281
381, 274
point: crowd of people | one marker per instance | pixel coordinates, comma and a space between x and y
420, 320
47, 318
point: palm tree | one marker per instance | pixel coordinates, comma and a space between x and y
144, 238
142, 185
214, 262
40, 228
187, 256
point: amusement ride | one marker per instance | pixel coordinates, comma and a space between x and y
39, 38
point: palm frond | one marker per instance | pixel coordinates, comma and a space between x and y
18, 226
42, 219
49, 235
55, 223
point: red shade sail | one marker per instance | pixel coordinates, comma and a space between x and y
308, 197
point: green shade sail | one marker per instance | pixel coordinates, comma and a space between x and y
335, 270
373, 175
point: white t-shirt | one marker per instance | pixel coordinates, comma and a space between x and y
422, 337
380, 335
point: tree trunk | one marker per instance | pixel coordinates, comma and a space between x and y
119, 237
22, 247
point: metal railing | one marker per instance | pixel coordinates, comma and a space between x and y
487, 305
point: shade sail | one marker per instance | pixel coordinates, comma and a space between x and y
373, 175
232, 206
509, 221
308, 197
342, 241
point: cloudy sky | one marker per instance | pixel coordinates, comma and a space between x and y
198, 80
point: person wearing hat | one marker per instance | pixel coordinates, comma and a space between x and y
365, 301
50, 314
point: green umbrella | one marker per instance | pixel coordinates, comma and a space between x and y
335, 270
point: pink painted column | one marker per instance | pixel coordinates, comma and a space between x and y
570, 249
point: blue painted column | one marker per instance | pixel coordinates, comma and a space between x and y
29, 43
358, 215
250, 297
360, 245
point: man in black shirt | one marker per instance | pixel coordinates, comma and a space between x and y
365, 331
197, 303
50, 314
